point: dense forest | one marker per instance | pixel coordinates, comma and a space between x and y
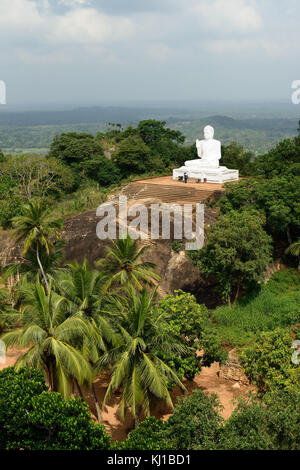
75, 321
22, 132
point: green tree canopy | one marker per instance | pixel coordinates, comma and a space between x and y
74, 148
132, 156
152, 131
36, 176
236, 253
33, 419
235, 156
149, 435
283, 159
186, 318
268, 363
102, 170
277, 198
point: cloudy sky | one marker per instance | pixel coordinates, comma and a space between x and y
102, 51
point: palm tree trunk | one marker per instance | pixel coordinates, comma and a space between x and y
97, 404
41, 268
137, 418
51, 375
79, 388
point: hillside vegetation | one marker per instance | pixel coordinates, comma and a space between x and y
74, 321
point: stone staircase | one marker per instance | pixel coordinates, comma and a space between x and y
166, 193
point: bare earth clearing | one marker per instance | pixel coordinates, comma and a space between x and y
208, 381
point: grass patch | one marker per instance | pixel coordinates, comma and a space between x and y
80, 201
89, 196
276, 304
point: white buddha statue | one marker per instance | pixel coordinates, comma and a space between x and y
207, 166
209, 151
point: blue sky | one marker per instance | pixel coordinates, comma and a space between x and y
101, 51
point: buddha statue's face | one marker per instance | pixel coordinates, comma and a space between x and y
208, 133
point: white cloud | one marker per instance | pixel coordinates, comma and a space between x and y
72, 3
38, 23
23, 14
48, 33
88, 26
236, 16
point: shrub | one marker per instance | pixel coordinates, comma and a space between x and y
271, 424
177, 246
268, 363
33, 419
10, 207
195, 423
186, 318
147, 436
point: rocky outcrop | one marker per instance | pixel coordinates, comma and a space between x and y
232, 370
273, 268
176, 269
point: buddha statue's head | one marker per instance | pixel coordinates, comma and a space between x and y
209, 132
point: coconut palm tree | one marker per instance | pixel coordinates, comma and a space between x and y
54, 339
294, 250
36, 230
85, 290
123, 264
29, 267
136, 367
85, 287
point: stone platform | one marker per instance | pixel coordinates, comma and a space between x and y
167, 190
211, 175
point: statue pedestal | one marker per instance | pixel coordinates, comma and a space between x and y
212, 175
